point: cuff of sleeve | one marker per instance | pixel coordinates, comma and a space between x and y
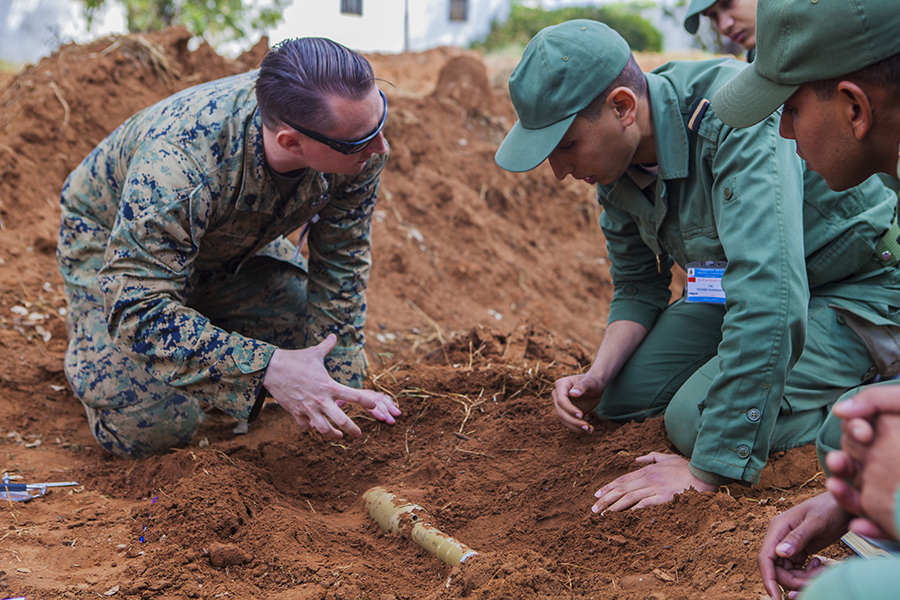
257, 406
240, 384
638, 312
348, 366
707, 477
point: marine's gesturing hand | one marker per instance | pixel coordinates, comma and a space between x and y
299, 382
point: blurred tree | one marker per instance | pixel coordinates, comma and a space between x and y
524, 23
217, 21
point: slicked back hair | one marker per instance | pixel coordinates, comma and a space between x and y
884, 73
631, 77
297, 77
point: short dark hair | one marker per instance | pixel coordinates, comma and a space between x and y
297, 76
631, 77
884, 73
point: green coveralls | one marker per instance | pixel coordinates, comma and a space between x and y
731, 379
862, 579
179, 281
884, 347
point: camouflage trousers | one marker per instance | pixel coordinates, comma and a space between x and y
131, 413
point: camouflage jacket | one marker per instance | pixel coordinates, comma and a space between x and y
181, 189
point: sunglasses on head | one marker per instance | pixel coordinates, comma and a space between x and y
340, 146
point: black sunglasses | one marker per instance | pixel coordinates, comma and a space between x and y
343, 147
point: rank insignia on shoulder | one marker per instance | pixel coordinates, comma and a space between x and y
697, 110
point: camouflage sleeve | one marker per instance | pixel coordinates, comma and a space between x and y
340, 246
164, 212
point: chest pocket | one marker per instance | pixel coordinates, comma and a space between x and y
699, 232
239, 234
640, 204
647, 229
232, 240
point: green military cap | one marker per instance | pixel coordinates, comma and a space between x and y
692, 19
799, 41
563, 69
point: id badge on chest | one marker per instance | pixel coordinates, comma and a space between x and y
704, 281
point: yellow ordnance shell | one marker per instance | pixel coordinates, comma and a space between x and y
387, 510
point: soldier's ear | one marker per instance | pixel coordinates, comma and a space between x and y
856, 108
624, 103
289, 140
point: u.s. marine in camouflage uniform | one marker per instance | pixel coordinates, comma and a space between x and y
181, 286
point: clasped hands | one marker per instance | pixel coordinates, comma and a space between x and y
865, 476
865, 473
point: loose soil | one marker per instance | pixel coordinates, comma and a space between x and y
486, 287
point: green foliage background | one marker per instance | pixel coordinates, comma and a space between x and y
524, 23
217, 21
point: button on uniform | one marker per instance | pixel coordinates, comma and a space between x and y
743, 451
753, 414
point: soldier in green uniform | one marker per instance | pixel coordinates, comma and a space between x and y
181, 287
735, 19
779, 260
837, 75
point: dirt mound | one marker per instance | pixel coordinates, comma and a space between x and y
479, 449
486, 287
482, 346
55, 112
464, 80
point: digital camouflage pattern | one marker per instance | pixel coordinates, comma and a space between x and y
178, 277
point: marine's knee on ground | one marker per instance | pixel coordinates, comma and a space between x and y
130, 412
143, 431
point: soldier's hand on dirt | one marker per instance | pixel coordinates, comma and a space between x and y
793, 536
663, 476
574, 397
299, 382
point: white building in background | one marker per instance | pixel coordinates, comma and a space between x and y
392, 25
415, 25
30, 29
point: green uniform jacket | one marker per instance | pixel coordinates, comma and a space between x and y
181, 192
741, 196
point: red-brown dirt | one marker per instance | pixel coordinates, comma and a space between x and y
486, 286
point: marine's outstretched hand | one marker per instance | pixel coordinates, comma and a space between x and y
299, 382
